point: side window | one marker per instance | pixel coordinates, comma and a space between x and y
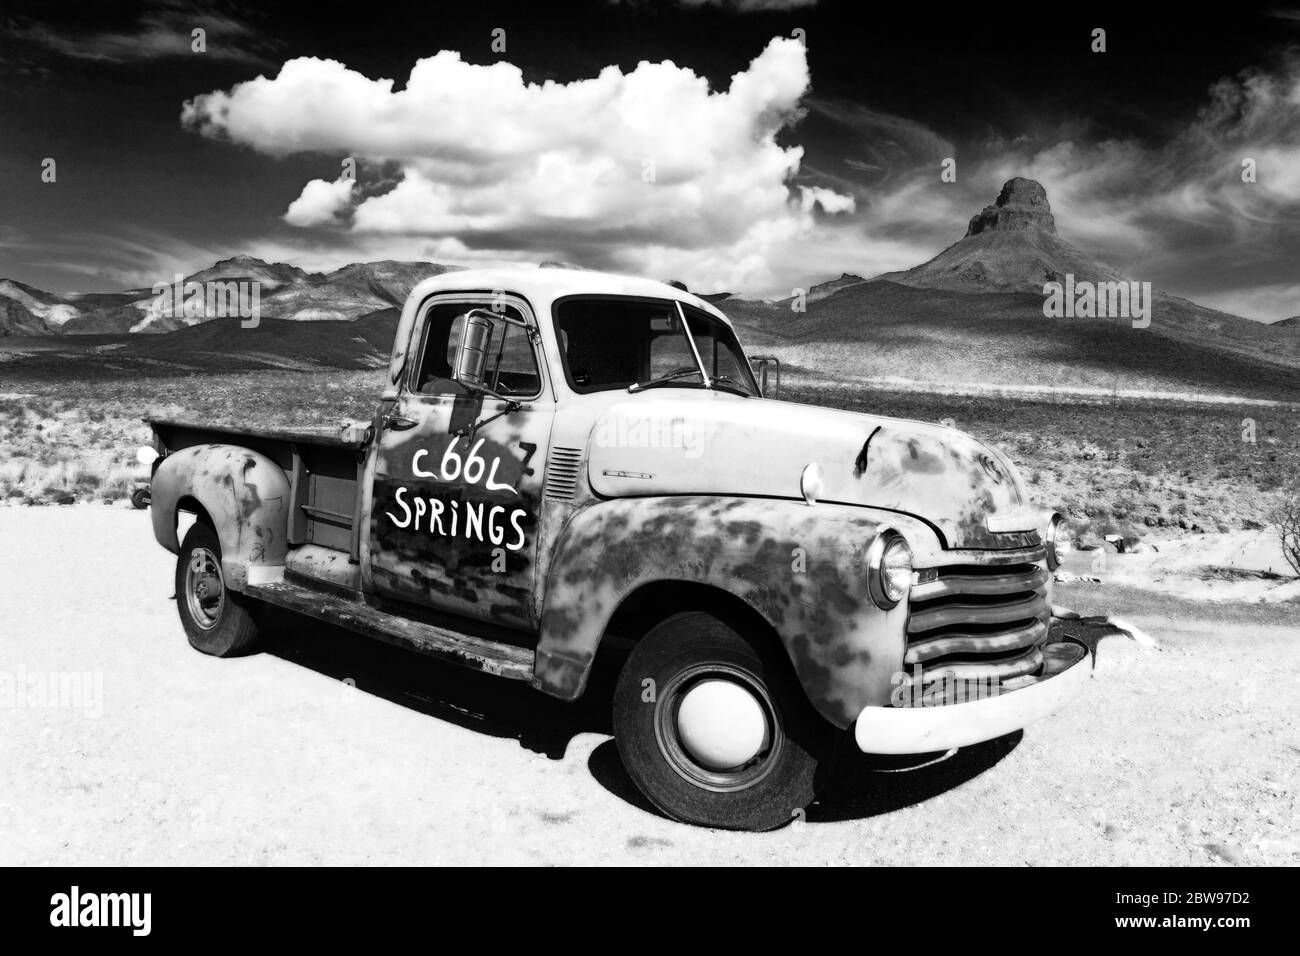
512, 366
513, 371
441, 333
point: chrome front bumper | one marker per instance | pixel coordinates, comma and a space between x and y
932, 728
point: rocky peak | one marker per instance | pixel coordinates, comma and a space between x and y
1022, 204
241, 260
832, 285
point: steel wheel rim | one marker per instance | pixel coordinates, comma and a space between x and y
205, 588
676, 754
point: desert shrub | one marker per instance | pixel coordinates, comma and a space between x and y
1286, 517
121, 476
1123, 506
13, 473
113, 493
1105, 526
1271, 481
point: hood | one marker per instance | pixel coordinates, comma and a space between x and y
702, 442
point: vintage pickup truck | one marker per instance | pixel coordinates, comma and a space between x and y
566, 465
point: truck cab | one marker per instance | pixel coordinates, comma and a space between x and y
559, 458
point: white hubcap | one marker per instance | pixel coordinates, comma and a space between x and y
721, 724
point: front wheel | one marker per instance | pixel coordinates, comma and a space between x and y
715, 729
217, 621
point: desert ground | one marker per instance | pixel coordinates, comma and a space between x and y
326, 748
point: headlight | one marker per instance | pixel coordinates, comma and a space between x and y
1057, 541
889, 569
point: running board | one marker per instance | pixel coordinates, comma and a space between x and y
491, 657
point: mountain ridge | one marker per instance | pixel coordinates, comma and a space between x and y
285, 292
972, 313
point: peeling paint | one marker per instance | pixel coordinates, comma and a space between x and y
863, 460
453, 559
246, 495
844, 649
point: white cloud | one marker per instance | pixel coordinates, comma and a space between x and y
829, 200
494, 169
1179, 213
130, 257
1174, 212
156, 35
620, 170
320, 203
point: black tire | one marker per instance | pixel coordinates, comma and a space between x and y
771, 788
217, 621
140, 499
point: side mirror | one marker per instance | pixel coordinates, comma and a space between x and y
767, 368
481, 336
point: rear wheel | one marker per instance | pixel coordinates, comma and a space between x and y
217, 621
715, 729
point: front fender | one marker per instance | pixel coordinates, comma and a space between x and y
802, 568
245, 494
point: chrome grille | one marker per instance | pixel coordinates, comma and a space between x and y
562, 470
977, 623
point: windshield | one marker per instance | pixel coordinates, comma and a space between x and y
610, 343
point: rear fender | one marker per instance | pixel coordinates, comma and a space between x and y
245, 494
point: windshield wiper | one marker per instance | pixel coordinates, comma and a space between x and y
727, 383
718, 382
663, 379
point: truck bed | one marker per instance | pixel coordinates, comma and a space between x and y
324, 470
184, 429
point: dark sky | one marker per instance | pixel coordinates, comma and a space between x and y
1139, 153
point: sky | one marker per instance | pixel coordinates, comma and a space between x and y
749, 146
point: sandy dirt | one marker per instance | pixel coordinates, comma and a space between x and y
896, 383
1241, 567
330, 749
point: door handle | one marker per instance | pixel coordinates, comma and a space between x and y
399, 424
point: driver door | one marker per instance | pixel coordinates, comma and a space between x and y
458, 474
